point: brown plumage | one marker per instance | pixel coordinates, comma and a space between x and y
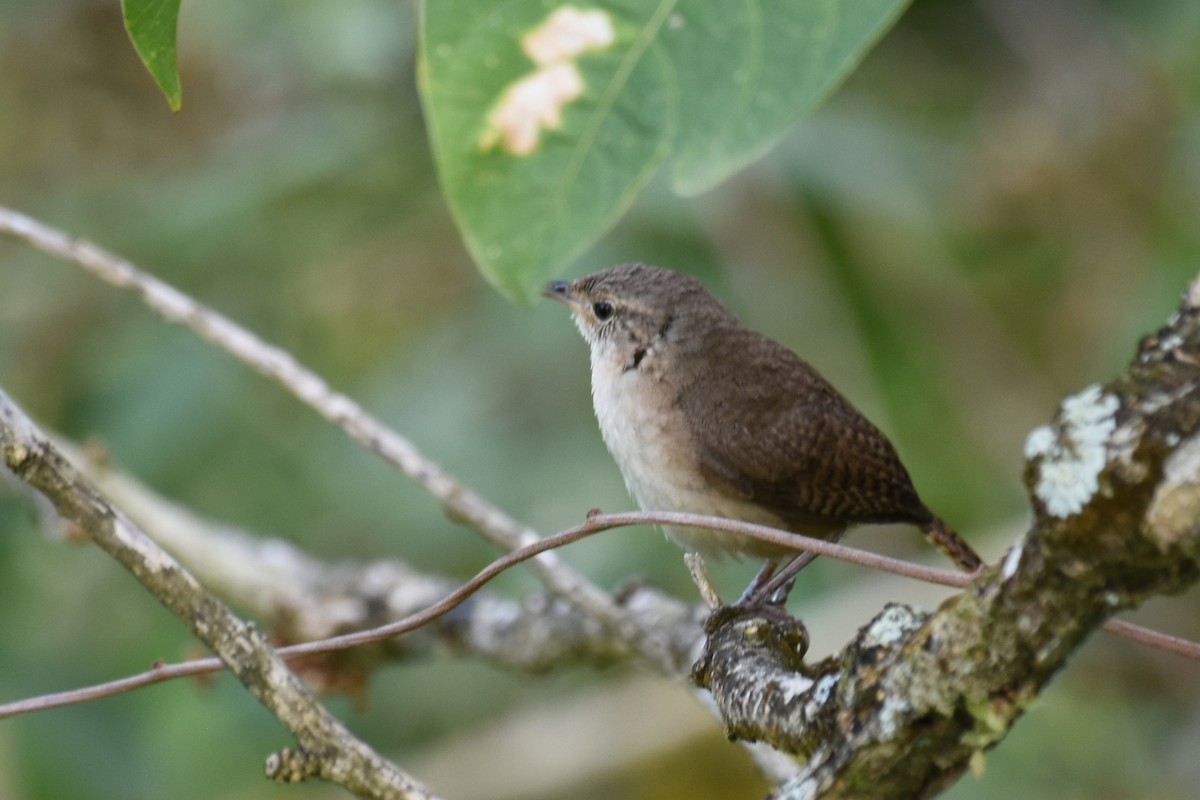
703, 414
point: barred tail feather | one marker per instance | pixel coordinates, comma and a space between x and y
945, 539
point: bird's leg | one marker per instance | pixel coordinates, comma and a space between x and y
756, 585
774, 591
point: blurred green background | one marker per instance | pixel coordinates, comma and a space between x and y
990, 212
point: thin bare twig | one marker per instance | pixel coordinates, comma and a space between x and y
326, 749
594, 524
866, 558
912, 703
164, 672
699, 572
209, 548
459, 501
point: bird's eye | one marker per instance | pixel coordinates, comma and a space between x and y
602, 309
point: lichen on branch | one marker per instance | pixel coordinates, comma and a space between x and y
916, 699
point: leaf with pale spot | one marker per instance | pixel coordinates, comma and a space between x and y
713, 84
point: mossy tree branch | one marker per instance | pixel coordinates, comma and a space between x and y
325, 748
916, 699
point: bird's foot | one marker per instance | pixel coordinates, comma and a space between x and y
760, 624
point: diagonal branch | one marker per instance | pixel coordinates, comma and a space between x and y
302, 598
1044, 589
325, 748
459, 501
306, 600
915, 699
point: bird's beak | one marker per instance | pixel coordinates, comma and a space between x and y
561, 291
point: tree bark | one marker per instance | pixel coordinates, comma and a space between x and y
916, 699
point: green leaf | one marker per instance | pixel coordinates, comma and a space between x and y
151, 25
546, 118
529, 198
753, 69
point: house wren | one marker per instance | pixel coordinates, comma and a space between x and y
704, 415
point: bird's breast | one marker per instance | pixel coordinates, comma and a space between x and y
645, 431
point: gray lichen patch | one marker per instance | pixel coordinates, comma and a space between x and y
1073, 454
895, 623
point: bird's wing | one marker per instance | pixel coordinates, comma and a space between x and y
770, 429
